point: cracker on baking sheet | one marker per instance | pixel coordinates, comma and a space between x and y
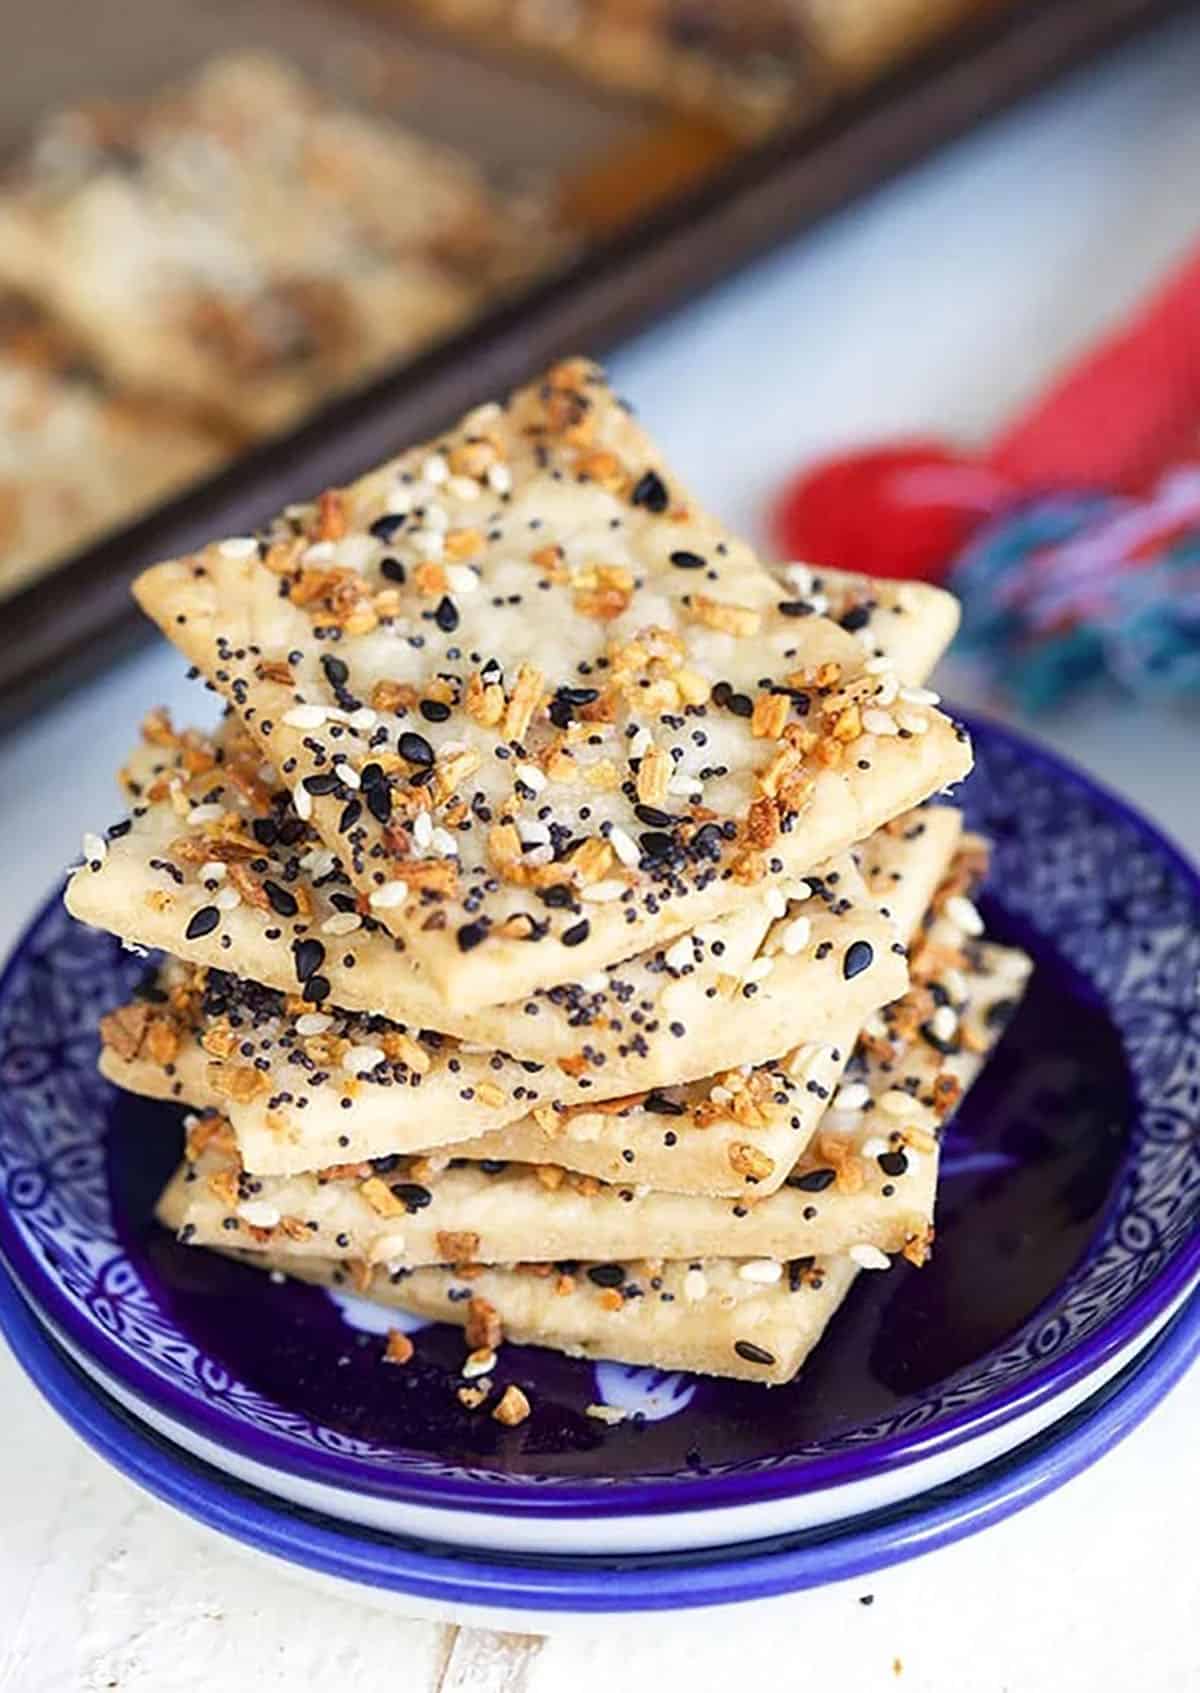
868, 1177
546, 711
158, 871
76, 457
737, 1133
246, 245
307, 1086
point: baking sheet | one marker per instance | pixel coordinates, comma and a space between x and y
638, 264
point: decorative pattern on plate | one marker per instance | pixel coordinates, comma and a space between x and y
1096, 1086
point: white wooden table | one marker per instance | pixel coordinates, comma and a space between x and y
938, 305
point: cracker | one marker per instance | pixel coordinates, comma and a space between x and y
867, 1179
685, 1140
716, 1317
244, 246
573, 649
156, 871
307, 1086
78, 457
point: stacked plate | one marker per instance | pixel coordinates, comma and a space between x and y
611, 1400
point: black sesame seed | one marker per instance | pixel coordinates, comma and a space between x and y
661, 1106
415, 748
860, 955
653, 818
412, 1196
203, 922
434, 711
337, 671
309, 956
813, 1181
650, 491
892, 1163
324, 782
470, 935
856, 618
316, 989
753, 1354
741, 705
684, 560
282, 902
577, 933
446, 614
393, 570
606, 1275
795, 608
384, 528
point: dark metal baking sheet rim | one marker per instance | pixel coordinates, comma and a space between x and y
76, 619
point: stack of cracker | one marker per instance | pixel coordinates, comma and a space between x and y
558, 939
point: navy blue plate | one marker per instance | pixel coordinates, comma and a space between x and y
1065, 1228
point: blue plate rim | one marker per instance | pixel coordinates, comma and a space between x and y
667, 1493
649, 1582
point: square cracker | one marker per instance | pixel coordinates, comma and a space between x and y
545, 711
152, 874
868, 1178
737, 1133
306, 1088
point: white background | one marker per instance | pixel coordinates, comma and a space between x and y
940, 304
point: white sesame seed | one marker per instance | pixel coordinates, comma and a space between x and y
430, 544
758, 970
499, 478
348, 774
435, 517
852, 1096
388, 896
212, 871
775, 903
640, 742
227, 899
695, 1286
461, 579
684, 786
897, 1103
318, 861
302, 800
478, 1363
463, 487
878, 666
819, 604
807, 1060
422, 830
720, 1095
390, 1251
95, 848
533, 833
444, 843
258, 1213
766, 1271
313, 1023
541, 854
796, 936
435, 470
920, 696
955, 984
874, 1147
238, 546
361, 1059
888, 691
915, 724
321, 552
624, 846
305, 717
878, 722
341, 923
530, 777
363, 719
943, 1023
801, 578
205, 813
400, 501
959, 909
597, 982
870, 1258
601, 892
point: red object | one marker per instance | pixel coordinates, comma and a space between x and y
1124, 413
901, 510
